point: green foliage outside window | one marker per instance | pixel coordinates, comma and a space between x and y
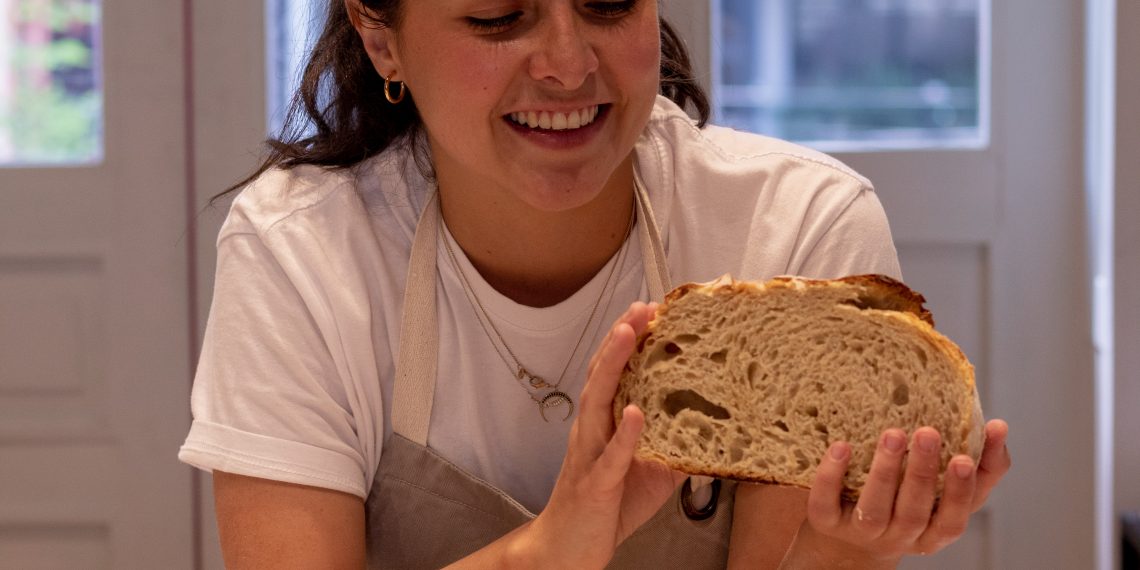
53, 111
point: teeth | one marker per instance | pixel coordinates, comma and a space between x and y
556, 121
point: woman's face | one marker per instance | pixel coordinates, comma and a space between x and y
543, 99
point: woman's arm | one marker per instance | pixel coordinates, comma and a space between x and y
764, 522
274, 525
270, 524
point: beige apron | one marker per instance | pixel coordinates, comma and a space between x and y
425, 512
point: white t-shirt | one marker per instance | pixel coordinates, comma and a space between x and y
295, 378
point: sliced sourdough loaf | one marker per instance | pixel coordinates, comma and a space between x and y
753, 381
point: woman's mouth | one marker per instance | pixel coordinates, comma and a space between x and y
555, 120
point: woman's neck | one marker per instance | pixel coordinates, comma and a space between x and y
539, 258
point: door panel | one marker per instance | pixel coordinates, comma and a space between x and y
1014, 293
93, 325
994, 239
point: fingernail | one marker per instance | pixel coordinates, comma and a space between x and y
927, 442
894, 442
839, 451
963, 469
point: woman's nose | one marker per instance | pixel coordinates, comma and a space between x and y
563, 54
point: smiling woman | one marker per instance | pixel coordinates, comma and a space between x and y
466, 193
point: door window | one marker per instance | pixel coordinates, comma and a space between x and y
292, 27
854, 75
51, 100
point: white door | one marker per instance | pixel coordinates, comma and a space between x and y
994, 238
94, 326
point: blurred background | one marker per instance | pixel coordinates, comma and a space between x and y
1000, 137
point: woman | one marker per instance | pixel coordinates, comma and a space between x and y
395, 368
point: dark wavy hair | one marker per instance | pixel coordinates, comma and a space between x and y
335, 119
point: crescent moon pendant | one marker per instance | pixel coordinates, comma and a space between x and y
554, 400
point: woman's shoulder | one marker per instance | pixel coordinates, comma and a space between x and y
734, 153
299, 194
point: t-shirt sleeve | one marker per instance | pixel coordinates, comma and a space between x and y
267, 399
857, 242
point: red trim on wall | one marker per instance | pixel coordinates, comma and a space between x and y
191, 256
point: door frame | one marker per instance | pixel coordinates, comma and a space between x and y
228, 125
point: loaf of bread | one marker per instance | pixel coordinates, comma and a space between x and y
753, 381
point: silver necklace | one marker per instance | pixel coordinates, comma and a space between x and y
555, 397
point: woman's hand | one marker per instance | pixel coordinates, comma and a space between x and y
892, 519
602, 494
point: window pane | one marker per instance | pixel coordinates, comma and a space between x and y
854, 74
51, 102
293, 26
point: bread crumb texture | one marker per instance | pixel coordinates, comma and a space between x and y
753, 381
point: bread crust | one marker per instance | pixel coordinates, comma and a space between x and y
887, 298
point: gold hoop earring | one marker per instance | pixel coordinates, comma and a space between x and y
388, 91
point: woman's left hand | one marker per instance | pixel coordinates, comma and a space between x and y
892, 519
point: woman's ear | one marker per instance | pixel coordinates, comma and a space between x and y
379, 41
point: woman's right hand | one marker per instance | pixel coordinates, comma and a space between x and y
603, 494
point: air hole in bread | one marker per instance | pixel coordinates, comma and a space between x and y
686, 338
802, 463
780, 424
901, 395
866, 302
811, 411
662, 353
921, 354
690, 400
680, 445
735, 454
719, 356
753, 367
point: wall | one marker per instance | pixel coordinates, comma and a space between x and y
1127, 257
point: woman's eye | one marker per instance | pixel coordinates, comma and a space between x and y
611, 9
494, 24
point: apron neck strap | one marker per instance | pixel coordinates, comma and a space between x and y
652, 247
414, 388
